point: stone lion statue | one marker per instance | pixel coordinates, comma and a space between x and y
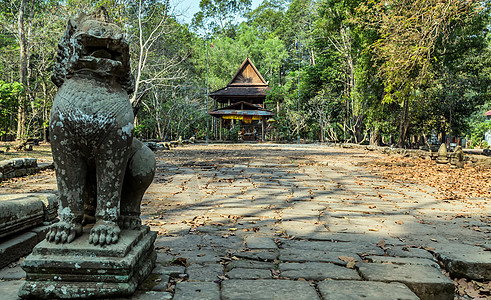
102, 171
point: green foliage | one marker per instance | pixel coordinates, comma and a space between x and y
477, 134
220, 16
362, 68
9, 95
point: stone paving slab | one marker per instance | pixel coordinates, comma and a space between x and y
425, 281
204, 272
249, 264
260, 255
409, 252
9, 290
267, 290
317, 271
359, 247
305, 255
466, 260
243, 273
260, 242
197, 290
152, 295
14, 273
367, 290
402, 261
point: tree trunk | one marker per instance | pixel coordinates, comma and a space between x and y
22, 70
375, 137
23, 64
404, 124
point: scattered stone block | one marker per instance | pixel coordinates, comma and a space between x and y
367, 290
426, 282
186, 290
265, 289
18, 163
457, 158
6, 166
20, 172
30, 162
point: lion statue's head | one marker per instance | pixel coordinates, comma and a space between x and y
93, 43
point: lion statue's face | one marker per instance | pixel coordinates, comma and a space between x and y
94, 44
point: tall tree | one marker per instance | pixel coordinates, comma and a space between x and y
410, 31
220, 16
24, 22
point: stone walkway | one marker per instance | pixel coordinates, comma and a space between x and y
299, 222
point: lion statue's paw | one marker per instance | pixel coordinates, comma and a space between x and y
63, 232
104, 233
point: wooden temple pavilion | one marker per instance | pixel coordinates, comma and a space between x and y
241, 103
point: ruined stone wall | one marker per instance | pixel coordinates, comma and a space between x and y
18, 167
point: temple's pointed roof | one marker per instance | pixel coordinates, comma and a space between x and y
247, 74
246, 85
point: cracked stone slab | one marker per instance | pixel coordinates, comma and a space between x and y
12, 273
402, 261
366, 290
317, 271
305, 255
203, 256
172, 271
10, 289
205, 272
465, 260
409, 252
249, 264
264, 289
152, 295
260, 242
359, 247
242, 273
186, 290
259, 255
425, 281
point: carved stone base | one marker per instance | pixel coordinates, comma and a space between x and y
82, 270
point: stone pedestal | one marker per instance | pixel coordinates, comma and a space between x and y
82, 270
